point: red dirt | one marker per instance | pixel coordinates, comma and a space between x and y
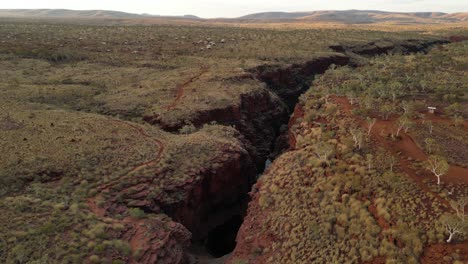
376, 260
180, 88
383, 224
437, 253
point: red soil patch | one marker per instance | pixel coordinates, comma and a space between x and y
435, 254
383, 224
376, 260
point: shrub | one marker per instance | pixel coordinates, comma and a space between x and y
137, 213
94, 259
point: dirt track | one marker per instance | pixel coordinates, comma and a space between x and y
181, 87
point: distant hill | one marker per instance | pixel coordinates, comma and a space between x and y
63, 13
361, 16
348, 16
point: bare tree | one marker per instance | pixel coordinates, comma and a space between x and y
437, 165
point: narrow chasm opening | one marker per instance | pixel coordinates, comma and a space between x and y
222, 239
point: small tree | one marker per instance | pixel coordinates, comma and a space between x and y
408, 108
187, 129
352, 97
453, 109
429, 126
437, 165
370, 124
357, 135
459, 207
391, 162
368, 102
395, 89
323, 151
403, 123
430, 145
453, 226
458, 121
409, 124
385, 111
370, 160
385, 160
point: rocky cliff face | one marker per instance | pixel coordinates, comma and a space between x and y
219, 195
290, 81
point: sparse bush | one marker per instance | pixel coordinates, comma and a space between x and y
137, 213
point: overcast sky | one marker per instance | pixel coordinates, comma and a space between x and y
235, 8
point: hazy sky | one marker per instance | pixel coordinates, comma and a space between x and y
222, 8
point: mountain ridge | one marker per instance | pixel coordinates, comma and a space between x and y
60, 13
360, 16
330, 16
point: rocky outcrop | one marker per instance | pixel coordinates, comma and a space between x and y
157, 240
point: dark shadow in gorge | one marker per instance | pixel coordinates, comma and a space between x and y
222, 239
